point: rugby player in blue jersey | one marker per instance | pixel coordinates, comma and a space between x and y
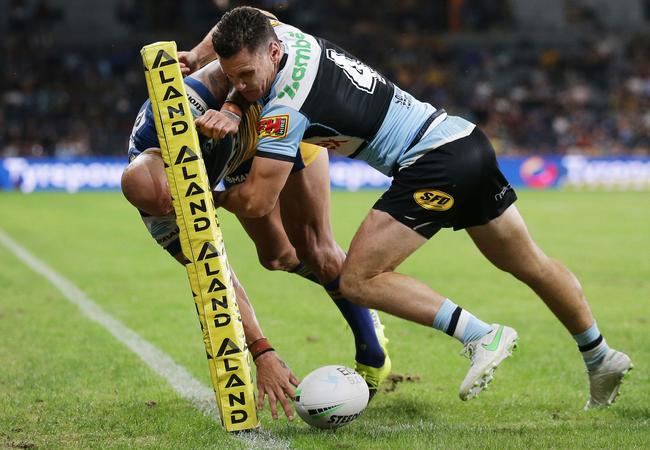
445, 175
228, 158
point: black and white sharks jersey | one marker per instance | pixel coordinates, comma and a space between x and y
325, 96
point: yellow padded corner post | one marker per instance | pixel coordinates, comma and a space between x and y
201, 239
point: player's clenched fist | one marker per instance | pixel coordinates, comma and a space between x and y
189, 62
217, 124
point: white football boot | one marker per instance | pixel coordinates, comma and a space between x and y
485, 355
605, 380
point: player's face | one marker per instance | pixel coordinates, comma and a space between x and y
252, 73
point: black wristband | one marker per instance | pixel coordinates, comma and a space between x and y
271, 349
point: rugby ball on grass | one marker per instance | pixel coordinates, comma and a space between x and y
331, 396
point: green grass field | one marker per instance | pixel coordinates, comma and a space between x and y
65, 382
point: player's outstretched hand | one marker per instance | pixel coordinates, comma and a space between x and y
216, 125
275, 380
189, 62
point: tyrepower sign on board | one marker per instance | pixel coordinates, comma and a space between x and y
533, 172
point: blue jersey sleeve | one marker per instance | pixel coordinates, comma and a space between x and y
280, 131
143, 134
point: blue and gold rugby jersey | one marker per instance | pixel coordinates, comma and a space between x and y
221, 157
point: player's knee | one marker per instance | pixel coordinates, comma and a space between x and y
325, 260
318, 250
277, 257
533, 271
144, 185
351, 285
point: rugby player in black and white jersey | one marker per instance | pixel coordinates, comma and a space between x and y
445, 175
227, 158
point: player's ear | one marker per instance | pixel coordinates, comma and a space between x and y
274, 51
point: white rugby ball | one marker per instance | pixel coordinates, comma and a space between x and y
331, 396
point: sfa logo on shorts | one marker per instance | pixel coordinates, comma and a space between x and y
538, 173
433, 200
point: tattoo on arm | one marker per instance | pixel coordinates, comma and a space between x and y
219, 85
236, 98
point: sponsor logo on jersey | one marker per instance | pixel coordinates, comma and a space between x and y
236, 179
195, 102
403, 99
273, 127
300, 63
433, 200
331, 143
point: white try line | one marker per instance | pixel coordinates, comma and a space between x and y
188, 387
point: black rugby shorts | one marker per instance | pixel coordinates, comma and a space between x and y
456, 185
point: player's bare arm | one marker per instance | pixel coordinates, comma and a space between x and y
274, 378
217, 124
199, 56
257, 196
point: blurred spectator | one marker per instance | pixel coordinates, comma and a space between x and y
590, 96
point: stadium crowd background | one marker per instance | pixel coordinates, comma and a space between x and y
581, 88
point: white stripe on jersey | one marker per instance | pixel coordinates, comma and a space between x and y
295, 80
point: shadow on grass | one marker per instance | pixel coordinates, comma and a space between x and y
633, 413
377, 421
407, 409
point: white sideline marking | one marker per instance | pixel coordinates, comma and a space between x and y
188, 387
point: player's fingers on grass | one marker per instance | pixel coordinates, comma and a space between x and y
286, 405
273, 405
261, 393
295, 381
287, 389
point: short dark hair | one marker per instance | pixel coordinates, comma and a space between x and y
240, 28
